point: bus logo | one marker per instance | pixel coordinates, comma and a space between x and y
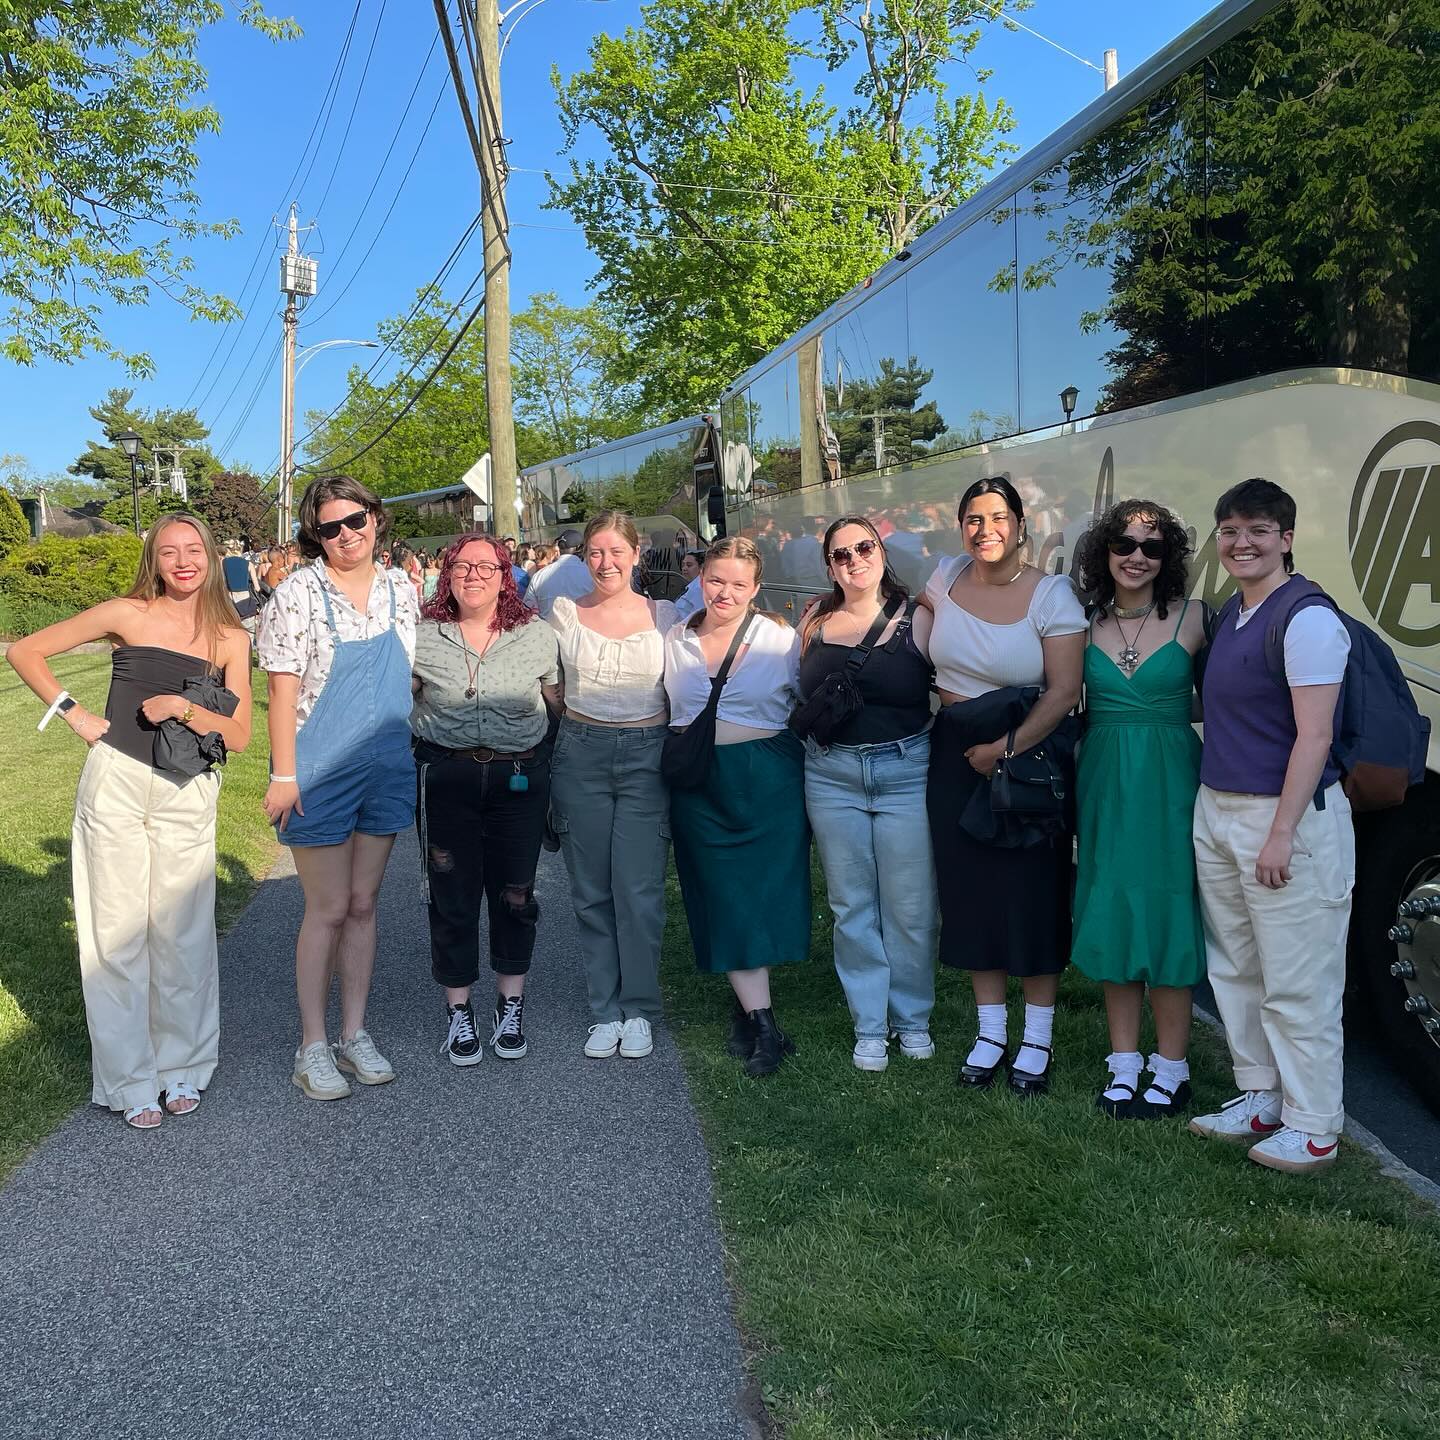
1395, 533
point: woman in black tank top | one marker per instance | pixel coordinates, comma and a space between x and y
143, 843
865, 794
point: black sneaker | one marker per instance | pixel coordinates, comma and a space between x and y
462, 1045
508, 1041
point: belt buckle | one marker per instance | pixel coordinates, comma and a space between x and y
483, 755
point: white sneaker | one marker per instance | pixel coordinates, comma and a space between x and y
870, 1053
359, 1056
316, 1075
636, 1040
916, 1044
1247, 1118
604, 1039
1296, 1151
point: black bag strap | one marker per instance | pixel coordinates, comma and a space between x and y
862, 650
717, 681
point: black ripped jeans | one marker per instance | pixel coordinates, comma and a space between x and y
479, 842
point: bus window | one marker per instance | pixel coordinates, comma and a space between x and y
871, 389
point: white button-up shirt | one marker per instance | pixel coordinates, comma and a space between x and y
569, 575
763, 685
294, 638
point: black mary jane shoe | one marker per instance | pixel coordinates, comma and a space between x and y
741, 1040
1024, 1082
1175, 1101
982, 1077
1116, 1109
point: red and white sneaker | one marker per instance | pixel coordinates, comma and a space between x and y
1245, 1119
1296, 1151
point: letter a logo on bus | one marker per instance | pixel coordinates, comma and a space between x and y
1395, 533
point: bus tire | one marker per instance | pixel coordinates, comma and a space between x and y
1399, 853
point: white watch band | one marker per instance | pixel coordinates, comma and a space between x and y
54, 709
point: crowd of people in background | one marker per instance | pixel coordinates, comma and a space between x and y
624, 698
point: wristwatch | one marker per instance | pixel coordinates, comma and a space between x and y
66, 705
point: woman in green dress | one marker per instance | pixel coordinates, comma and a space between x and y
1137, 914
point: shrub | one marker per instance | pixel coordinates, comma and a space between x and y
57, 577
14, 531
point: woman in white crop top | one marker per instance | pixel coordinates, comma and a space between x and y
607, 800
999, 626
742, 842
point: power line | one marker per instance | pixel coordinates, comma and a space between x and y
672, 238
329, 106
998, 12
657, 183
350, 119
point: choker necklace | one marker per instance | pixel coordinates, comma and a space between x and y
1138, 613
1010, 581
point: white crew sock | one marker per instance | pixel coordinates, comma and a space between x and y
992, 1027
1169, 1073
1039, 1026
1125, 1067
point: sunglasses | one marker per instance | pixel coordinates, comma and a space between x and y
1125, 545
330, 529
842, 554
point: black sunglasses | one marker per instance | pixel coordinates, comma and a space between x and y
330, 529
841, 554
1125, 545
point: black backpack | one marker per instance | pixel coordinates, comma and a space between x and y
1381, 739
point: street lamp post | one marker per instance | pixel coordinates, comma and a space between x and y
287, 440
129, 442
1068, 396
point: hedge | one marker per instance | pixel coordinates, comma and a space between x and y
55, 577
14, 531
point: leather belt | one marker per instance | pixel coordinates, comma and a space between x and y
483, 754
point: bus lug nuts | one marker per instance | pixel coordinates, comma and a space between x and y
1431, 1026
1402, 970
1400, 934
1417, 1005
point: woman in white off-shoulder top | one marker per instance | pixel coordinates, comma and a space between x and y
607, 801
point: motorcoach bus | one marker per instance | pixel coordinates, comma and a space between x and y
1227, 265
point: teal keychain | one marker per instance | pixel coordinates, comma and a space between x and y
519, 781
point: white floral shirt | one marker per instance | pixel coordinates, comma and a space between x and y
294, 638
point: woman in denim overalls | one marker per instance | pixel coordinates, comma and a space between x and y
338, 641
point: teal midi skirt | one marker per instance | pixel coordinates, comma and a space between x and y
742, 852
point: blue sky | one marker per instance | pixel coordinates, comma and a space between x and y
269, 96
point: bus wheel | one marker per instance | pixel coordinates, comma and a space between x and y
1395, 933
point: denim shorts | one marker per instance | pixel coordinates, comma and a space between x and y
376, 797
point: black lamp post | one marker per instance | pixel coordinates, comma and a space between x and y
129, 442
1068, 396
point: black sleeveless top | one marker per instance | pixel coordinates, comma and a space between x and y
138, 672
894, 682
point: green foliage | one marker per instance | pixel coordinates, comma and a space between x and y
14, 531
99, 131
406, 523
879, 417
733, 204
68, 575
234, 507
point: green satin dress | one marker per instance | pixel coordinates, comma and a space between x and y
1137, 912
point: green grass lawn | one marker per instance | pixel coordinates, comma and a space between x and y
915, 1262
44, 1047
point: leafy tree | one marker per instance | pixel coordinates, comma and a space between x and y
14, 530
235, 508
99, 128
879, 417
706, 273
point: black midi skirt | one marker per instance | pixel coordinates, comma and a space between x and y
1000, 909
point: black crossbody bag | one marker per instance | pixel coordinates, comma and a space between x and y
685, 754
837, 698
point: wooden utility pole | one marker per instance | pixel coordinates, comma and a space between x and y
297, 281
495, 227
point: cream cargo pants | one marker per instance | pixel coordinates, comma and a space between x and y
1276, 958
143, 872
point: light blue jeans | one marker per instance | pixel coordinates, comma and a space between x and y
867, 809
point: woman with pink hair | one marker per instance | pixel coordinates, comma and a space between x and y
484, 672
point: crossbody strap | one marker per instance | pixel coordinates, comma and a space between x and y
717, 682
862, 650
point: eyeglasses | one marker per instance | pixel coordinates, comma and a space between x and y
330, 529
1127, 545
1231, 533
863, 549
483, 568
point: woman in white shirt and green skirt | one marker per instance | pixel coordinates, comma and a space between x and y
742, 840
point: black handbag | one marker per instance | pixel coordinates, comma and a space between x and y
1030, 785
837, 698
177, 749
685, 754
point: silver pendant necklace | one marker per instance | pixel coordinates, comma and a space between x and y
1129, 660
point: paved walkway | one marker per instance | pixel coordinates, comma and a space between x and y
521, 1249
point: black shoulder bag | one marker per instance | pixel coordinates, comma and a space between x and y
685, 755
837, 698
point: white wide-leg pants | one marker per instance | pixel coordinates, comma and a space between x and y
1276, 958
143, 872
